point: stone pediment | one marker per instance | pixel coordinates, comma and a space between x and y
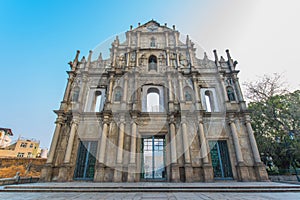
152, 26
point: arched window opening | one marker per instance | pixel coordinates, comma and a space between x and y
118, 94
98, 97
152, 63
230, 94
152, 43
75, 95
153, 100
210, 107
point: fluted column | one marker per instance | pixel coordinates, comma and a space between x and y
238, 87
204, 154
252, 140
197, 96
224, 88
133, 143
71, 141
173, 142
125, 89
120, 143
68, 88
110, 88
103, 143
186, 149
54, 140
180, 89
236, 142
170, 88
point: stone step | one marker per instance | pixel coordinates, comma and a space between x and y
102, 187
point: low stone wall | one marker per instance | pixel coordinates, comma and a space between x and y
27, 167
19, 180
283, 178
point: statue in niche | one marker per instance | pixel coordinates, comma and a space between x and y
188, 96
121, 60
118, 95
230, 94
182, 60
142, 59
162, 59
173, 59
132, 59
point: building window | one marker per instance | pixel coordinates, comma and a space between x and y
31, 145
209, 101
75, 95
29, 155
153, 100
230, 93
152, 43
118, 94
20, 155
97, 101
152, 63
23, 145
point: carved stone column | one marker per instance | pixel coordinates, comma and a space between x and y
197, 96
260, 169
187, 158
46, 173
111, 80
71, 141
238, 87
224, 88
100, 165
208, 173
54, 140
125, 89
243, 174
118, 170
64, 171
171, 95
180, 89
68, 88
132, 164
175, 175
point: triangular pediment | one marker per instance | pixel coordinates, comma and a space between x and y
151, 26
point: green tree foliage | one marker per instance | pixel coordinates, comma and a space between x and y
275, 121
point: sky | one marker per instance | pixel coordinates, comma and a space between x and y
38, 38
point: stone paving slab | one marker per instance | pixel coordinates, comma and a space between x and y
152, 196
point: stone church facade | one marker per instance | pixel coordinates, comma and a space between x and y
153, 111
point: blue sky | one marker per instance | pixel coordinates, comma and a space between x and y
39, 37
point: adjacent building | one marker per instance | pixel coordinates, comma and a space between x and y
22, 148
153, 111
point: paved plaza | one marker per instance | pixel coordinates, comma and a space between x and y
137, 196
88, 190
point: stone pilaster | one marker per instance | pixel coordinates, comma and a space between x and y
58, 122
175, 176
259, 167
242, 170
197, 96
111, 80
186, 148
132, 163
119, 168
71, 141
100, 165
180, 89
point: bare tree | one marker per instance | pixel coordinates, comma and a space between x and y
265, 87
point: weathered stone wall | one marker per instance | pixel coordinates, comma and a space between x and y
26, 166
